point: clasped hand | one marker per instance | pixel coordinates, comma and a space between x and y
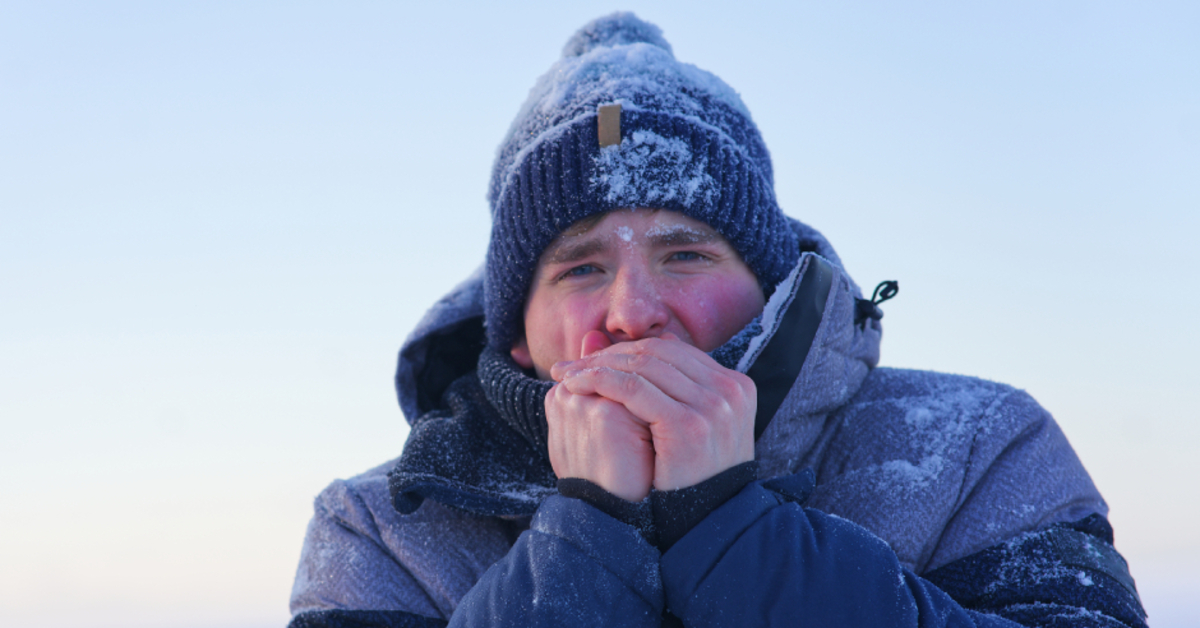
653, 413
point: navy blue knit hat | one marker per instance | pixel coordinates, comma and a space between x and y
681, 139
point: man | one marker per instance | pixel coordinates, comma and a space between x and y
660, 406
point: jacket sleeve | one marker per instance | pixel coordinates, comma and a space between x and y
346, 564
575, 566
762, 559
363, 564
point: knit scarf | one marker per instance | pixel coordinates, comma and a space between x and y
519, 399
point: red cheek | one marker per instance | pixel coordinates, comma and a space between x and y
713, 311
578, 317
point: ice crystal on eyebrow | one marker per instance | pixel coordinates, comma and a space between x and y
670, 230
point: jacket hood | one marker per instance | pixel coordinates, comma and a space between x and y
808, 353
446, 343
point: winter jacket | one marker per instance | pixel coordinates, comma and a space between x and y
888, 498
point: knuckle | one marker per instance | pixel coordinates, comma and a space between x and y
640, 361
630, 384
708, 399
733, 387
641, 347
746, 384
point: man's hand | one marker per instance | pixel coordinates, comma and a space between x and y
698, 414
598, 439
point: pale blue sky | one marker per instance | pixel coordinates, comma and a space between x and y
219, 220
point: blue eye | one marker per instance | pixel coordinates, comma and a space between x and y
685, 256
579, 271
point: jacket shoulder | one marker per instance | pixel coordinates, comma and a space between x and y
893, 383
930, 411
943, 465
360, 554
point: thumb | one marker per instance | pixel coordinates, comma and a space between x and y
594, 341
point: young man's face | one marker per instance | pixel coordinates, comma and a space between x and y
635, 274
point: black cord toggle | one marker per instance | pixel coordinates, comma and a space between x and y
869, 308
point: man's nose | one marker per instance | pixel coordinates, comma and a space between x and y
636, 309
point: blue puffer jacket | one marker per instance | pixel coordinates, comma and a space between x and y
889, 498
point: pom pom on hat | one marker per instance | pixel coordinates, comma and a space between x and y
618, 29
687, 144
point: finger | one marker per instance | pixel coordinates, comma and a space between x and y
594, 341
642, 398
561, 401
597, 439
692, 362
663, 375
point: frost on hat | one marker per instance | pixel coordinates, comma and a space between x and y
687, 144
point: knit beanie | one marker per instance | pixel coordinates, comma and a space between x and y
618, 123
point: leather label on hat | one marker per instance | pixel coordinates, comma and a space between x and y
609, 124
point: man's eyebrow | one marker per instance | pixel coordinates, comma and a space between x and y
572, 251
682, 236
